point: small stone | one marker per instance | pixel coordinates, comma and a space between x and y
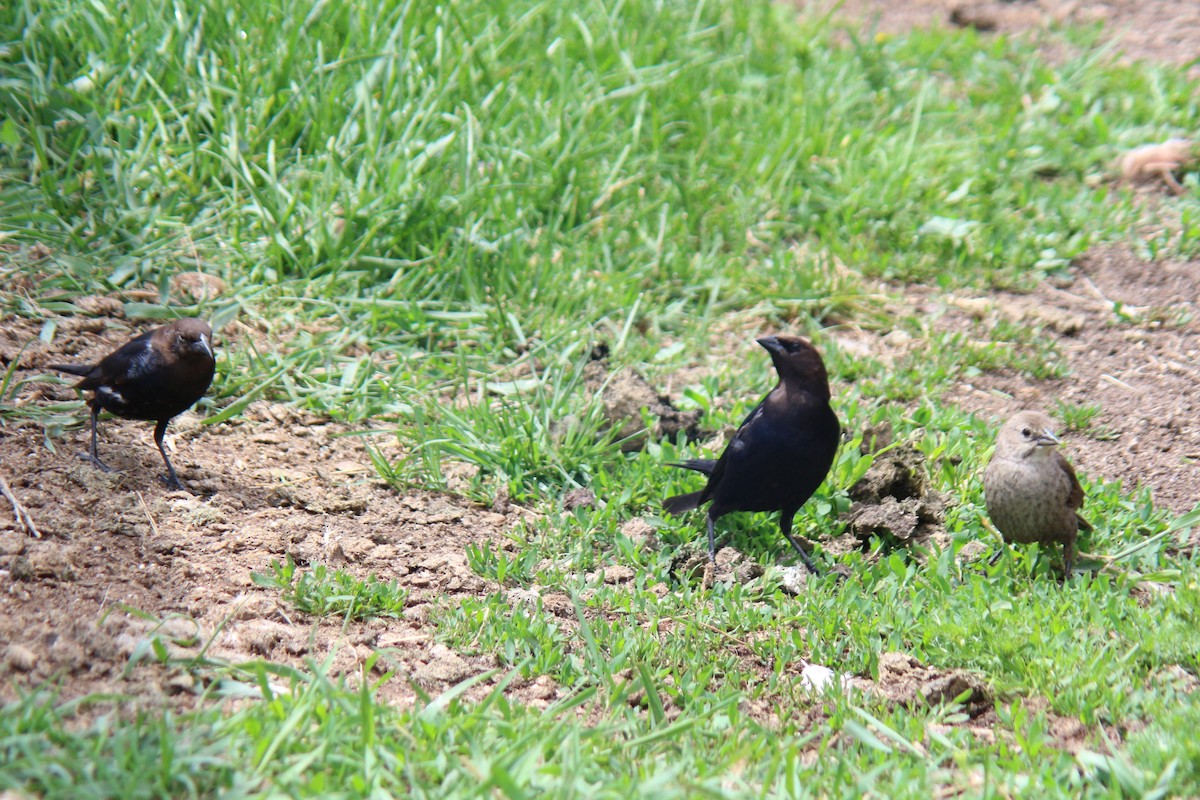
20, 658
793, 580
816, 678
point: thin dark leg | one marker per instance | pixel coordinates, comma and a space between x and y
1068, 558
170, 479
785, 525
712, 540
92, 454
996, 556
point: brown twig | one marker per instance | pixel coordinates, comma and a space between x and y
24, 521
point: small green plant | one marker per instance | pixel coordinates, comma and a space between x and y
1076, 416
500, 566
321, 593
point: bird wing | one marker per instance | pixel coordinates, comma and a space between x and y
736, 449
121, 366
1075, 498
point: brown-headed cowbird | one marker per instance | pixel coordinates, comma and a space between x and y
781, 452
1030, 489
155, 376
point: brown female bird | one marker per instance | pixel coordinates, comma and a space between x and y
780, 454
1030, 489
155, 376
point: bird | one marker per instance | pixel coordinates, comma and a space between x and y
780, 454
1030, 489
154, 376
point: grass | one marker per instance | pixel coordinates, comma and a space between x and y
433, 212
318, 592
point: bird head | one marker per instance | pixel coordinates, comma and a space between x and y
1028, 434
797, 362
191, 338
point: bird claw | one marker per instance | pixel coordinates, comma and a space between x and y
172, 482
97, 463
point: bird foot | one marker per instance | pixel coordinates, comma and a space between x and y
840, 573
172, 482
97, 463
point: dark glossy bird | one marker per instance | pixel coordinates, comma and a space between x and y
781, 452
155, 376
1030, 489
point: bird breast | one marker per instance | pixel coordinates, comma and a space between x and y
1027, 502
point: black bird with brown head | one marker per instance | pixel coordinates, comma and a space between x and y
155, 376
782, 451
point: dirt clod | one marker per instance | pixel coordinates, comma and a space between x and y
625, 395
893, 498
579, 498
640, 533
20, 658
904, 681
443, 667
898, 473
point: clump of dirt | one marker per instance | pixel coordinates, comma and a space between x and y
893, 498
625, 395
197, 287
579, 498
691, 562
904, 681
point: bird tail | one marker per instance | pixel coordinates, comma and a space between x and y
72, 369
705, 465
682, 502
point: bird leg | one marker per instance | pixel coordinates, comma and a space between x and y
1068, 558
712, 540
785, 525
92, 455
170, 479
996, 556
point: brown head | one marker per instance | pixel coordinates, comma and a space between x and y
187, 338
1029, 434
797, 362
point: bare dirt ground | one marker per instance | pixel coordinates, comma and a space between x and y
274, 482
1166, 31
1141, 370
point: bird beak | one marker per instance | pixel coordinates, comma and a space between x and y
1048, 439
204, 345
771, 343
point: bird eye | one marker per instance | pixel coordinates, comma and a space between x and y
1026, 432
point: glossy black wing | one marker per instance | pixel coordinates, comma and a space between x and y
122, 365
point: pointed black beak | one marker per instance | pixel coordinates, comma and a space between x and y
771, 344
